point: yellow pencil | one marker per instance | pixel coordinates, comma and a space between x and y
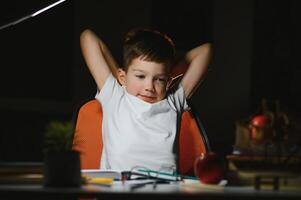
100, 180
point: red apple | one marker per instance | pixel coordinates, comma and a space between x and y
261, 128
261, 121
210, 168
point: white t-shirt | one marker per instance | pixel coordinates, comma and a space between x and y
138, 133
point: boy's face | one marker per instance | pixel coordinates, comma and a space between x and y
146, 80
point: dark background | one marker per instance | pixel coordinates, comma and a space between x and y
43, 76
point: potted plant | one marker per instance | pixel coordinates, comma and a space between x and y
61, 163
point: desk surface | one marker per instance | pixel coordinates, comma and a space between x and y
164, 191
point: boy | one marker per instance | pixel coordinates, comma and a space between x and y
141, 118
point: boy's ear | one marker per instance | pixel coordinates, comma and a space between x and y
121, 76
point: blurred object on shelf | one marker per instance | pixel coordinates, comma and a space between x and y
268, 132
266, 150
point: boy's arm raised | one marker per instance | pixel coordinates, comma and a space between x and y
198, 59
97, 56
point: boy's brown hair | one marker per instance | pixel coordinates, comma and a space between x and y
150, 45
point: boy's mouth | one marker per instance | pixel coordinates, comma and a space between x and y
149, 99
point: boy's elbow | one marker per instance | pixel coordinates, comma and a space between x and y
206, 47
86, 35
202, 50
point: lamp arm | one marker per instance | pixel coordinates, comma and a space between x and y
30, 15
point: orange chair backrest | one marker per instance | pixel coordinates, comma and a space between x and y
88, 138
88, 135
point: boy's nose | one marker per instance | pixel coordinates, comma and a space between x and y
149, 86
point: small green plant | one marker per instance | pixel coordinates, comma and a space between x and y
58, 136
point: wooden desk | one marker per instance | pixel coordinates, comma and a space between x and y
165, 191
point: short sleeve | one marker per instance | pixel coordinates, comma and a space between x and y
178, 100
110, 90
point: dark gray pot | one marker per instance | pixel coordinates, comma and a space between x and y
62, 169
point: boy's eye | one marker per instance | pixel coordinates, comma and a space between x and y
162, 80
140, 76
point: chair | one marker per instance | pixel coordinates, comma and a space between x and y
88, 138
